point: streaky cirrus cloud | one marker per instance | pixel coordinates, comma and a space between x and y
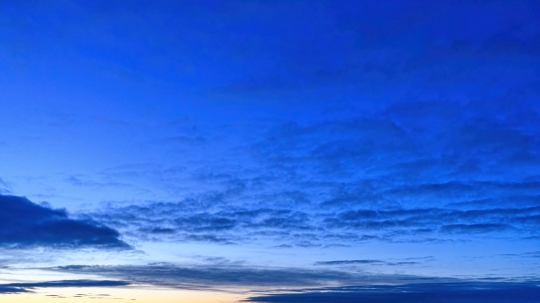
26, 224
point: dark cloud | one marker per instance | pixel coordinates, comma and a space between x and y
24, 224
28, 287
7, 289
480, 292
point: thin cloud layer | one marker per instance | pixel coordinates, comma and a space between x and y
25, 224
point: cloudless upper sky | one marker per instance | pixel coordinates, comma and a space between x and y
271, 151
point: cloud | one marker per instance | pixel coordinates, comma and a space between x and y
526, 255
25, 224
7, 289
225, 276
449, 221
408, 261
456, 292
316, 225
27, 287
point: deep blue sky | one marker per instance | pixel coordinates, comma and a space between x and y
263, 145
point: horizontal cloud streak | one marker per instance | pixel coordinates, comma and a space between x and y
408, 261
228, 277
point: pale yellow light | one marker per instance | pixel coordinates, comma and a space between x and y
130, 294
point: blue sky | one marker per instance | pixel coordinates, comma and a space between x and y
269, 151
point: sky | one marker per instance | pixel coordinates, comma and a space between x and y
270, 151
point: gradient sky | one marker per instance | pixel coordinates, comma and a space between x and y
270, 151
